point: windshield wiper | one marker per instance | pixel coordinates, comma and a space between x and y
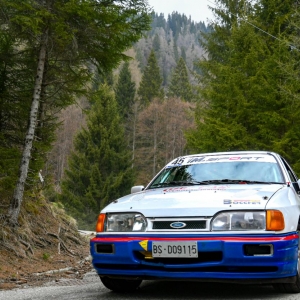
206, 182
157, 185
163, 184
239, 181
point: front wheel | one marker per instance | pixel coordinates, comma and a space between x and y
120, 285
289, 287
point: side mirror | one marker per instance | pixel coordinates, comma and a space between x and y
137, 189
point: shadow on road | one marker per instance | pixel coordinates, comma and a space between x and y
195, 290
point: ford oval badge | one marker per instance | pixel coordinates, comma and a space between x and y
177, 225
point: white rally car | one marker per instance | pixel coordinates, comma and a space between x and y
215, 217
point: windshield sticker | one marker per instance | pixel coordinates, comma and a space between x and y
215, 159
178, 161
226, 201
200, 188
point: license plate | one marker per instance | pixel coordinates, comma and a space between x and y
174, 249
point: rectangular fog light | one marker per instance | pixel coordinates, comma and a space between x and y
105, 248
258, 249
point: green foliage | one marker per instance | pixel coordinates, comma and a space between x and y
175, 50
150, 86
180, 85
249, 95
100, 166
82, 36
125, 91
156, 44
82, 30
46, 256
16, 87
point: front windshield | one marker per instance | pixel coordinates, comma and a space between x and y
220, 172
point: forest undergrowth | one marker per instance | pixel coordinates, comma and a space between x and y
45, 246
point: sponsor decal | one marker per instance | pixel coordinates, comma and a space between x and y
227, 158
226, 201
242, 202
195, 160
195, 189
177, 189
144, 244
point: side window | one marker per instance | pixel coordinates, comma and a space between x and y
292, 175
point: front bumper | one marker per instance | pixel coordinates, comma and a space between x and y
220, 258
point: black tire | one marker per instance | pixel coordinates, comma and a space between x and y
120, 285
289, 287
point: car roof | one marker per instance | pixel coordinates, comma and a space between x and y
232, 153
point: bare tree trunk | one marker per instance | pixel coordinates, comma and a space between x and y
15, 204
155, 133
135, 113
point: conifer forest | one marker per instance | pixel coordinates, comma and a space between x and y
97, 96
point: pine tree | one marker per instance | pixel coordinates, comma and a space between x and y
243, 103
175, 50
15, 92
150, 86
285, 20
100, 166
125, 96
156, 44
125, 91
54, 36
180, 86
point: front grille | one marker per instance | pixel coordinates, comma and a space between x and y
195, 224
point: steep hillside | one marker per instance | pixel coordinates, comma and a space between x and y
46, 246
171, 38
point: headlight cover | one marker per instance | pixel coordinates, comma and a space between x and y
125, 222
239, 221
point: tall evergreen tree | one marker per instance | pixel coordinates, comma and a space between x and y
175, 50
100, 166
125, 91
150, 86
180, 86
125, 96
183, 53
283, 16
156, 44
54, 35
243, 104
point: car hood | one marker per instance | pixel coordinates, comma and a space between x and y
195, 200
